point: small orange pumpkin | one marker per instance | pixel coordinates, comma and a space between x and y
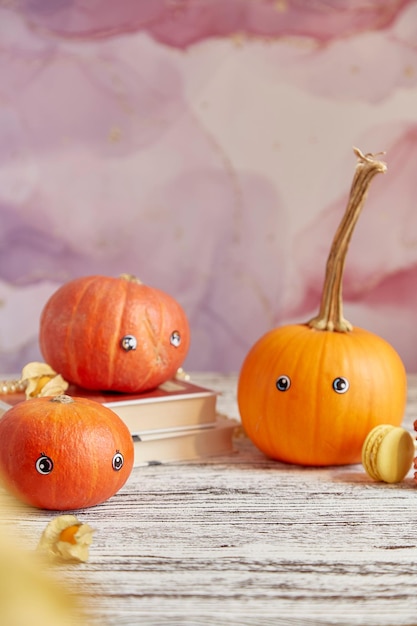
113, 334
64, 453
310, 393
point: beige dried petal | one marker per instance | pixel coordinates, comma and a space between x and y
41, 380
37, 369
67, 539
54, 387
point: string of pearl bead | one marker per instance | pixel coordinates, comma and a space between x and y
12, 386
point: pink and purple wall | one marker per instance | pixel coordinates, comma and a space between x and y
206, 146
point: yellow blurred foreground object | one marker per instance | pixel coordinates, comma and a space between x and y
29, 593
29, 596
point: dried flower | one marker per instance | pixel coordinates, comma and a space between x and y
67, 539
41, 380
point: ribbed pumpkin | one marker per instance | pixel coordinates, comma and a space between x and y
116, 334
64, 453
310, 393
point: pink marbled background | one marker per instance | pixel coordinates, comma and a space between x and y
206, 146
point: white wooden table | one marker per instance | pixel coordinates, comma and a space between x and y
247, 541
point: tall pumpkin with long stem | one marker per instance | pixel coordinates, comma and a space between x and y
310, 393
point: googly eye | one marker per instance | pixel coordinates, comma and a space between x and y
44, 465
340, 384
175, 339
129, 342
117, 461
283, 383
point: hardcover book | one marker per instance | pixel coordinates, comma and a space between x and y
186, 445
176, 404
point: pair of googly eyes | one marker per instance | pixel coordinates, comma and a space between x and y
44, 465
340, 384
129, 342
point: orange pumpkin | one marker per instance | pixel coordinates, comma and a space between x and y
64, 453
310, 393
113, 334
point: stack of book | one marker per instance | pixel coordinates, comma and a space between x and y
178, 421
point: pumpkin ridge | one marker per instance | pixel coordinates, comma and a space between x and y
296, 357
82, 443
71, 333
260, 426
386, 369
108, 290
114, 352
150, 328
343, 419
154, 339
162, 331
317, 437
311, 357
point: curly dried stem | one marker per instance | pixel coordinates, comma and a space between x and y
330, 315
